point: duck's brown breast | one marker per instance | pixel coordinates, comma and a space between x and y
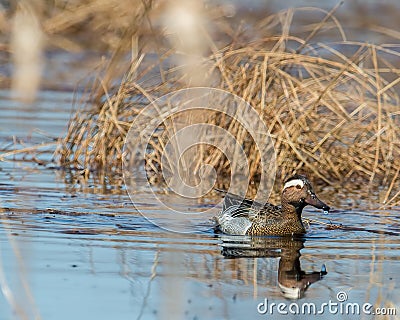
260, 227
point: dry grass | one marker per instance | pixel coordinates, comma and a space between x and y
29, 29
332, 108
77, 25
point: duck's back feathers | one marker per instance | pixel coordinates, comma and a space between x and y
243, 205
236, 214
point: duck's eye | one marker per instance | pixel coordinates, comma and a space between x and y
298, 186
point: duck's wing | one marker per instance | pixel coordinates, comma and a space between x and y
238, 206
235, 200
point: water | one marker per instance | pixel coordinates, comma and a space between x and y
73, 250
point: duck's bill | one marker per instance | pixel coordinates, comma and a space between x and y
312, 200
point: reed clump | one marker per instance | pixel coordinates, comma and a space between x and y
332, 108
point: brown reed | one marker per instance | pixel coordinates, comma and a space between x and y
332, 108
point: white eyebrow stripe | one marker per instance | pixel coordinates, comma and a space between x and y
293, 183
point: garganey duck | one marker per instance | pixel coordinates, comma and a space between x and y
247, 217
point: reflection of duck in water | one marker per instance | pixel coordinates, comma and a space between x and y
292, 281
246, 217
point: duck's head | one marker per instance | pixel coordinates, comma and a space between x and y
298, 192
